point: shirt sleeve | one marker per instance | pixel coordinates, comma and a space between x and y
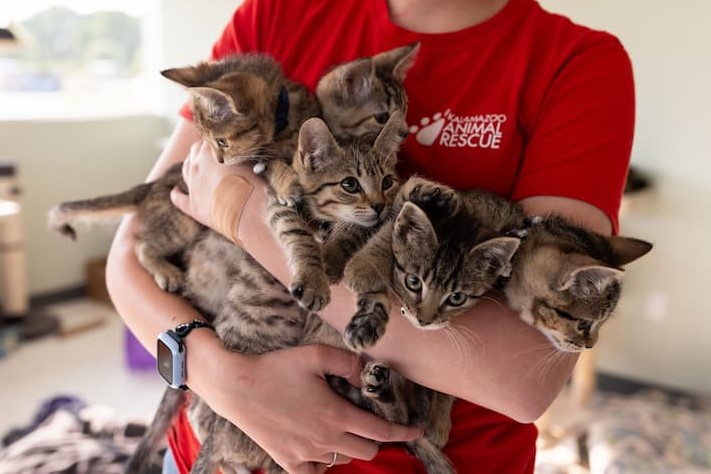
239, 36
579, 146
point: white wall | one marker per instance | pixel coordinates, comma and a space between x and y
663, 328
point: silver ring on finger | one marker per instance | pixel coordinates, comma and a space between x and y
333, 460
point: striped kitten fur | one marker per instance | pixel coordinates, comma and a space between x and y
445, 249
358, 97
344, 187
442, 251
234, 103
566, 280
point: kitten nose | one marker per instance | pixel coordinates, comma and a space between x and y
378, 208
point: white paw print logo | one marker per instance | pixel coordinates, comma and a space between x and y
428, 130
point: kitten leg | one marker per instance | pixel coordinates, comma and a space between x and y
369, 322
339, 247
382, 393
367, 274
431, 457
284, 182
428, 449
400, 400
167, 276
309, 283
154, 436
206, 463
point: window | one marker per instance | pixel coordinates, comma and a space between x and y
73, 59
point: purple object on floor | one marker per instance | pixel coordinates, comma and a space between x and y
137, 357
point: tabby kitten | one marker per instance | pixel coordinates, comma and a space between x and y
239, 108
254, 313
267, 316
358, 97
566, 280
440, 254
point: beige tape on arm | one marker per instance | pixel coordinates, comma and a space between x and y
227, 204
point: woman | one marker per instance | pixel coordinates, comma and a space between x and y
503, 96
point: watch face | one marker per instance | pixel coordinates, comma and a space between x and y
171, 359
165, 362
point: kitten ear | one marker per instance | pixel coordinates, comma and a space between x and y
217, 105
628, 249
493, 256
399, 59
316, 144
355, 79
413, 230
189, 76
591, 280
391, 136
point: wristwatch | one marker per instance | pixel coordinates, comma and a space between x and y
170, 360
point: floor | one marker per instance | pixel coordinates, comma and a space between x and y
57, 365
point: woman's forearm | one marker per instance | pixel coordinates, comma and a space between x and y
144, 307
493, 358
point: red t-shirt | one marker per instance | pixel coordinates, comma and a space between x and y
524, 104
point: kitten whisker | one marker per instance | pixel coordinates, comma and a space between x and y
545, 365
468, 333
497, 302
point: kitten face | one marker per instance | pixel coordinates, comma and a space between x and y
233, 109
348, 184
436, 280
568, 297
565, 293
358, 98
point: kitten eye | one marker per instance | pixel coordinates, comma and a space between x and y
381, 118
584, 326
388, 182
456, 299
222, 143
564, 315
350, 185
413, 282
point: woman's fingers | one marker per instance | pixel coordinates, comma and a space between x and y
345, 364
369, 426
354, 447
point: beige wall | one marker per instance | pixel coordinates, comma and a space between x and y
183, 40
662, 331
72, 160
62, 160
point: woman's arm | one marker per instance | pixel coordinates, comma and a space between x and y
494, 360
250, 391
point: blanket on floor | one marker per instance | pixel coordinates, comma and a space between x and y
68, 436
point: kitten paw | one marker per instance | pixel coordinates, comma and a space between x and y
376, 379
291, 195
311, 291
169, 280
434, 197
367, 325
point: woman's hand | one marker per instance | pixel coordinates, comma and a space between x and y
203, 175
217, 193
282, 401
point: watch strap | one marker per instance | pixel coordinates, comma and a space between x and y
182, 330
